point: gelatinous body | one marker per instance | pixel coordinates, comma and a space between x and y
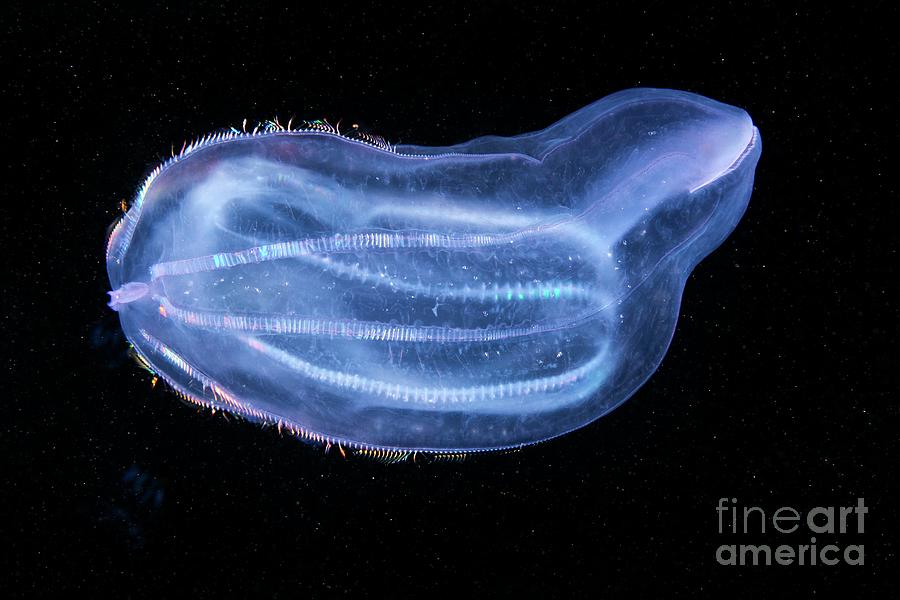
480, 296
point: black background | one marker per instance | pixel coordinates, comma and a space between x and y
778, 389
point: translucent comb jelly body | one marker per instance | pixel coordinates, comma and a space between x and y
473, 297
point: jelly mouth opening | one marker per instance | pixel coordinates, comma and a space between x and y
743, 154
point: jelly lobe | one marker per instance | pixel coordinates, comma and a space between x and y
481, 296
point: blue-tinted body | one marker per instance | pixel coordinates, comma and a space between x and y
480, 296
